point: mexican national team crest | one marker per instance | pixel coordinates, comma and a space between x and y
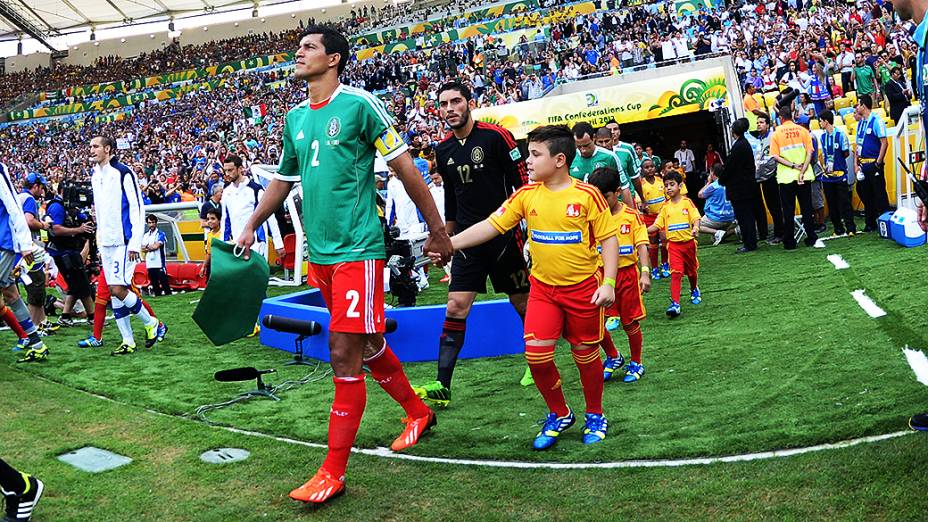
476, 155
333, 127
573, 210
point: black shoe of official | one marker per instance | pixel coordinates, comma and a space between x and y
743, 250
919, 422
820, 228
19, 508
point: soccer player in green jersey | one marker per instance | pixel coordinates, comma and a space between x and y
628, 158
329, 144
589, 157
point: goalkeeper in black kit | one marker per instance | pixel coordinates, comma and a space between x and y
481, 166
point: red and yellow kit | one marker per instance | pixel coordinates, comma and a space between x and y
654, 198
631, 233
677, 220
564, 229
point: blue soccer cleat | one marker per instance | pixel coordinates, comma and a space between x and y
665, 270
610, 365
673, 310
20, 345
552, 429
90, 342
613, 323
162, 331
695, 296
634, 372
655, 273
595, 428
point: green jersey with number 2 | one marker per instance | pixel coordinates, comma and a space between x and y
330, 149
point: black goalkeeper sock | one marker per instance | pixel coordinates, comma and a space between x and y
12, 482
452, 339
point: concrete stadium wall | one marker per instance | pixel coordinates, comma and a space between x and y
27, 62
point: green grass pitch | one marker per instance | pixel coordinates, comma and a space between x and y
779, 355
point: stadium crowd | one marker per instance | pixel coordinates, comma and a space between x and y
178, 144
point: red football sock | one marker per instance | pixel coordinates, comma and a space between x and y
676, 281
147, 307
609, 346
99, 317
344, 420
633, 331
693, 284
652, 254
665, 257
388, 372
547, 379
10, 319
591, 377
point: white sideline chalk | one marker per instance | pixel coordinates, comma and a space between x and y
838, 261
867, 304
918, 362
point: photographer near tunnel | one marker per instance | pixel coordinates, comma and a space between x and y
70, 229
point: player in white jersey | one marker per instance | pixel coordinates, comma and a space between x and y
120, 227
240, 197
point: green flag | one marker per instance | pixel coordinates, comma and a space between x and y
233, 296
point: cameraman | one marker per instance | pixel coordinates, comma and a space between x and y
69, 231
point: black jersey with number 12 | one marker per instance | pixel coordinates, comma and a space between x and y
479, 173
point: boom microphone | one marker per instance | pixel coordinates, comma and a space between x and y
240, 374
291, 325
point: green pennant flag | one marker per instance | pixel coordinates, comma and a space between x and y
233, 296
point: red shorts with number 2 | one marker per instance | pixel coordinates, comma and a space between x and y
564, 311
353, 293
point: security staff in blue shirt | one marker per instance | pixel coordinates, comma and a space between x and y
871, 149
835, 151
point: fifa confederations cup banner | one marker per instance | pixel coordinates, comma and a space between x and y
116, 102
536, 19
626, 102
383, 37
122, 87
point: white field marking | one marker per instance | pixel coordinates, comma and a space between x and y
918, 362
829, 238
838, 261
867, 304
661, 463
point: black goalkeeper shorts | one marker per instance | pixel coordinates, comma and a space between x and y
499, 259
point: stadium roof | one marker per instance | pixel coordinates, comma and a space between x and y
53, 17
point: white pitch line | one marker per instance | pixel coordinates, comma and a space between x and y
867, 304
838, 261
662, 463
918, 362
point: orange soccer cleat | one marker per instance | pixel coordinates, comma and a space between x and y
322, 487
415, 428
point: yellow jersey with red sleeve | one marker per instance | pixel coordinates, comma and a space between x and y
631, 233
654, 196
564, 229
677, 220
